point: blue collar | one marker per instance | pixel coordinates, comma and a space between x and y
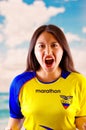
65, 74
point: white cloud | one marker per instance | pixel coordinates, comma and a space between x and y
72, 37
1, 34
84, 30
12, 64
79, 52
80, 62
15, 59
1, 26
22, 19
1, 37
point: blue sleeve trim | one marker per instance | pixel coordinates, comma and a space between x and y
17, 83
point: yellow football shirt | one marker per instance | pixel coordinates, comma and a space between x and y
49, 106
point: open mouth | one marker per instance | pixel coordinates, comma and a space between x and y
49, 61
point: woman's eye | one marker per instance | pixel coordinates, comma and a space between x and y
41, 46
54, 45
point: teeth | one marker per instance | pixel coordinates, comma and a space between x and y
48, 58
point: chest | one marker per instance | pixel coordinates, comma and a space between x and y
45, 99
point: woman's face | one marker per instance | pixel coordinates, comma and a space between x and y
48, 52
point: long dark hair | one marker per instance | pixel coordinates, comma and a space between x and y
66, 62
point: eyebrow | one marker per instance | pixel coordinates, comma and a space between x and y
39, 42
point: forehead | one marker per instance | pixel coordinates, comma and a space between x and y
46, 36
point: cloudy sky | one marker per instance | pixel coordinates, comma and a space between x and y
19, 19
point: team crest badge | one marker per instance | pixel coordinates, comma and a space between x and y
66, 100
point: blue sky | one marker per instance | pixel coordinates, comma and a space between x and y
19, 19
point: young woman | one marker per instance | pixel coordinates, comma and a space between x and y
50, 94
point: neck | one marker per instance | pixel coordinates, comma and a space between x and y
48, 76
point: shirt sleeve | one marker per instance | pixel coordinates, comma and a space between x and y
17, 83
14, 106
82, 97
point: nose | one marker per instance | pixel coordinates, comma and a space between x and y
48, 50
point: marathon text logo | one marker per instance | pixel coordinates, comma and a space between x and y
47, 91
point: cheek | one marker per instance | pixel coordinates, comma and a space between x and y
60, 54
38, 55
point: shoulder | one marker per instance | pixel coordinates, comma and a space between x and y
20, 80
79, 80
78, 76
23, 77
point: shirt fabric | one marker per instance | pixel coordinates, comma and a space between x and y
48, 106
